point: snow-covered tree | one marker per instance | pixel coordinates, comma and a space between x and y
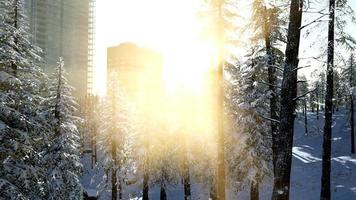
62, 156
318, 88
158, 154
267, 23
115, 140
21, 130
303, 93
89, 110
283, 140
164, 161
253, 150
348, 74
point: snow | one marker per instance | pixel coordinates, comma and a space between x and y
7, 78
306, 167
299, 153
307, 160
91, 192
2, 125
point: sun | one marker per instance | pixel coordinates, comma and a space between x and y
168, 26
188, 54
175, 30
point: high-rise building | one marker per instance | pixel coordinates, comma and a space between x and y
65, 28
137, 70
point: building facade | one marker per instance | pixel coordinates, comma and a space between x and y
65, 28
137, 70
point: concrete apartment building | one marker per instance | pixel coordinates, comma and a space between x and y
65, 28
136, 69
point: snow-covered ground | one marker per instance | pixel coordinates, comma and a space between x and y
306, 166
307, 158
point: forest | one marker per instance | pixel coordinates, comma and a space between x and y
275, 123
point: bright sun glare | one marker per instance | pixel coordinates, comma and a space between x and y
173, 29
169, 27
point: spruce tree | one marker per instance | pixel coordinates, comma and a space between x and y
62, 156
303, 92
21, 129
255, 156
267, 22
115, 139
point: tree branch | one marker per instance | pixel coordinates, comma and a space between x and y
314, 21
298, 68
303, 95
270, 119
269, 84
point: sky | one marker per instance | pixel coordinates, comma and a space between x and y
141, 22
353, 27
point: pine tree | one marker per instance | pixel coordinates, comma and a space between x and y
267, 22
62, 156
284, 139
186, 172
21, 127
164, 161
254, 139
326, 167
319, 91
337, 36
348, 74
89, 111
222, 13
337, 91
115, 139
303, 92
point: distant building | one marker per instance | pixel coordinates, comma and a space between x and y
136, 69
65, 28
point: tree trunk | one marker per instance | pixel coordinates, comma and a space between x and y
93, 144
186, 175
113, 172
95, 148
317, 103
325, 177
213, 194
113, 185
305, 118
284, 140
57, 109
163, 194
272, 80
352, 124
352, 107
254, 190
95, 132
120, 188
145, 175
